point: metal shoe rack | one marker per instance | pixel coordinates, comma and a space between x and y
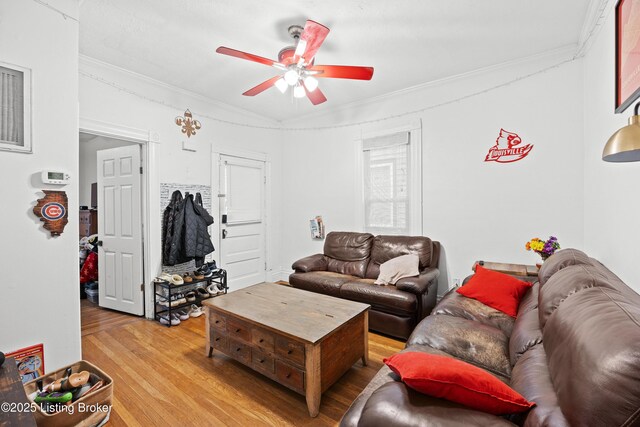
219, 277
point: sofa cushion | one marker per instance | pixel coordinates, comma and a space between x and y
467, 340
561, 259
381, 297
566, 283
452, 379
454, 304
323, 282
592, 342
348, 253
526, 334
498, 290
530, 378
395, 405
387, 247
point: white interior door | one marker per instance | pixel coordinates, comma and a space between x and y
120, 230
242, 221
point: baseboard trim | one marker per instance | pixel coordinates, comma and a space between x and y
279, 275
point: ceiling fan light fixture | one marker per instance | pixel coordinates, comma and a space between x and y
291, 77
298, 91
282, 85
311, 83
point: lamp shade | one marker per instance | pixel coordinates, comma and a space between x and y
624, 145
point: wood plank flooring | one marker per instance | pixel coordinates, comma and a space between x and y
162, 377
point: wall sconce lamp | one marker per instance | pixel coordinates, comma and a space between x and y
624, 145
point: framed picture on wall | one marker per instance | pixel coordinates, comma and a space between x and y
627, 53
15, 108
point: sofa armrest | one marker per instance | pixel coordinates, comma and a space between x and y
418, 285
317, 262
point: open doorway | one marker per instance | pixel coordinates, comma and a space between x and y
111, 226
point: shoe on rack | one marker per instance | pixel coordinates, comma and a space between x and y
204, 271
182, 314
202, 293
166, 320
187, 278
213, 289
212, 265
177, 279
175, 301
190, 296
196, 311
197, 275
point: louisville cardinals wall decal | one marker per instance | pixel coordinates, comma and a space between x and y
508, 148
52, 210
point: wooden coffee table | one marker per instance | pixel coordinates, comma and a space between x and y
302, 340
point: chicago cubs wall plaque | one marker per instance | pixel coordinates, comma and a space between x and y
52, 210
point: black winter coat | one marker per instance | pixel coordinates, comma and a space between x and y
173, 231
197, 241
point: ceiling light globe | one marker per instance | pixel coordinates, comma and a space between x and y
311, 83
281, 85
298, 92
291, 77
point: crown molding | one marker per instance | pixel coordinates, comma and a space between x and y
85, 60
562, 53
597, 12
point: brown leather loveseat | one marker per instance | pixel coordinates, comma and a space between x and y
573, 349
351, 263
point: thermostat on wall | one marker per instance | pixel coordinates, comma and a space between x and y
56, 178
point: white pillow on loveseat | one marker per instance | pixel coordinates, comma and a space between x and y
398, 268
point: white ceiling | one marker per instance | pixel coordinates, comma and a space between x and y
407, 41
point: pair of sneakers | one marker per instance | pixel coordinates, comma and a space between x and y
173, 320
181, 315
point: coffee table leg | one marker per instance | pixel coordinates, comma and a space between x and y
313, 391
208, 349
365, 355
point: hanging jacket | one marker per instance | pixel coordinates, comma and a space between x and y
197, 241
173, 231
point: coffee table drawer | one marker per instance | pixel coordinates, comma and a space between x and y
262, 362
219, 340
263, 340
289, 376
239, 351
217, 320
239, 330
290, 350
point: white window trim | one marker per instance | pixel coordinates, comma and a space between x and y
415, 154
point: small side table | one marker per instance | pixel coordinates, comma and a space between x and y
506, 268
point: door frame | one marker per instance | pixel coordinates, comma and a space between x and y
151, 234
270, 274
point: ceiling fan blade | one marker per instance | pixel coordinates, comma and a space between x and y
249, 57
316, 97
261, 87
342, 72
310, 40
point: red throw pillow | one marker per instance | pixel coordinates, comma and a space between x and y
497, 290
457, 381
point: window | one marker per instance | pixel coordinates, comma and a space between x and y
14, 109
391, 184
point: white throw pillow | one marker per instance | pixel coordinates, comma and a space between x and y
397, 268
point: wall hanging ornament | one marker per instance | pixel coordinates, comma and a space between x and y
52, 210
189, 125
508, 148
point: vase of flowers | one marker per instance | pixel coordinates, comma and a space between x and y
544, 248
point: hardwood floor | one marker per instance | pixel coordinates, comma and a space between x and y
161, 377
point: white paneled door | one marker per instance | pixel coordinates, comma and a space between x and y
120, 230
242, 221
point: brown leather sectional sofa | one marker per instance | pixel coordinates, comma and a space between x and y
574, 349
351, 263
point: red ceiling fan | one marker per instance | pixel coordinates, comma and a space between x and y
297, 62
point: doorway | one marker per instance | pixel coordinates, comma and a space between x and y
111, 224
243, 196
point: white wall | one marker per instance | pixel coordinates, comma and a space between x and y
477, 210
105, 95
39, 295
88, 172
612, 204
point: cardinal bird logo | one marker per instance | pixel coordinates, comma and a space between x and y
508, 148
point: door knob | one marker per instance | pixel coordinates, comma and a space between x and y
224, 234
